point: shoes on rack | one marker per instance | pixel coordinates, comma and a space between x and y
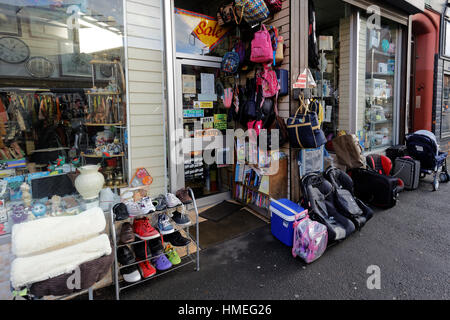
146, 205
183, 195
133, 208
172, 201
130, 274
180, 217
120, 211
142, 250
176, 239
144, 230
172, 255
160, 203
156, 247
147, 270
125, 257
126, 233
160, 261
164, 225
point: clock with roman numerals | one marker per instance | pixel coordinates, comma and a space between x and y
13, 50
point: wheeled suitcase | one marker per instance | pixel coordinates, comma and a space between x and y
397, 151
376, 189
408, 170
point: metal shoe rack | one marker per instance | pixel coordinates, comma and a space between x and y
189, 258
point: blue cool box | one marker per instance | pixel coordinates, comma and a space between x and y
283, 215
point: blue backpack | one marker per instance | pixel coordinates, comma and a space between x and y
230, 62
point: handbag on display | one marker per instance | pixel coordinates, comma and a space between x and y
304, 129
274, 6
261, 47
279, 54
254, 11
230, 62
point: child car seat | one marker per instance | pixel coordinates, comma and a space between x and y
383, 165
348, 205
320, 199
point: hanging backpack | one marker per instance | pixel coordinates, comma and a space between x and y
269, 82
274, 6
262, 51
239, 48
230, 62
254, 11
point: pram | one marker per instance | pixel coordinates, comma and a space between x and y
422, 145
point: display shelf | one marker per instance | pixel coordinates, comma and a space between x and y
103, 93
186, 260
101, 155
89, 124
382, 53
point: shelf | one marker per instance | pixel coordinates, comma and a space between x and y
251, 188
382, 53
89, 124
101, 155
380, 122
103, 93
379, 74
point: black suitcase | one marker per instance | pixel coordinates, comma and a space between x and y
408, 170
396, 152
376, 189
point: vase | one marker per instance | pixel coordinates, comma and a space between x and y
89, 182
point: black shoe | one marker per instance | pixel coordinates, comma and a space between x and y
120, 211
176, 239
139, 250
156, 247
125, 256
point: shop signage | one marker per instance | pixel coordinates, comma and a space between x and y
204, 28
207, 122
193, 113
203, 104
220, 121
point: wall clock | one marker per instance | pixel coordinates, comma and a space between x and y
40, 67
13, 50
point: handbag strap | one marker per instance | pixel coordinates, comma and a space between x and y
242, 14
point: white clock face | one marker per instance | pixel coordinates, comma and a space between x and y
13, 50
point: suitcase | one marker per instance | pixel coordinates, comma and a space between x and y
397, 151
408, 170
376, 189
283, 80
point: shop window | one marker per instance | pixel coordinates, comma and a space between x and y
62, 93
445, 126
377, 112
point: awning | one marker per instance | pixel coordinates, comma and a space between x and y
409, 6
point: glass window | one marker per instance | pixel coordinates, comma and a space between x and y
445, 126
376, 112
447, 38
62, 92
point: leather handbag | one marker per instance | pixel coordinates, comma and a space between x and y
304, 129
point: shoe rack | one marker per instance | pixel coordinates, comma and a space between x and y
189, 258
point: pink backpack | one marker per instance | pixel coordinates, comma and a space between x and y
269, 82
262, 51
310, 239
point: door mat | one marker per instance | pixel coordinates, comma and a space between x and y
220, 211
236, 224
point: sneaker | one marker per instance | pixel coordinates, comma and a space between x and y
130, 274
176, 239
146, 205
172, 255
147, 270
172, 201
125, 256
156, 247
142, 250
183, 195
180, 218
164, 225
120, 212
126, 233
162, 263
144, 230
160, 203
133, 208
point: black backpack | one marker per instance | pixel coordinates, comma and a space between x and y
374, 188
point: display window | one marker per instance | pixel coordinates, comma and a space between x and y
62, 103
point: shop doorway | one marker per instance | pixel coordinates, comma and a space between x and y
197, 110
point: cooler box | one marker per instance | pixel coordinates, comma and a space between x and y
283, 214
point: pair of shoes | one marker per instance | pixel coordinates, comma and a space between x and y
172, 255
160, 203
143, 252
183, 195
152, 249
120, 211
146, 205
144, 230
126, 233
125, 257
180, 217
164, 225
172, 201
176, 239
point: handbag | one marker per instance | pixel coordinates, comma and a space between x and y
279, 54
254, 11
227, 14
304, 129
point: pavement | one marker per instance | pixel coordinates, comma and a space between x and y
410, 243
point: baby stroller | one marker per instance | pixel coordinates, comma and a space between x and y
422, 145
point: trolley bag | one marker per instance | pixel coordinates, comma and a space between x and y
395, 152
408, 170
376, 189
310, 240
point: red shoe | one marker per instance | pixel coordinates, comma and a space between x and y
144, 230
147, 270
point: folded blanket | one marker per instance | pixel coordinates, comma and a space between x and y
43, 235
29, 270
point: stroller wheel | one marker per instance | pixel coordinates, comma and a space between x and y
435, 184
444, 177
